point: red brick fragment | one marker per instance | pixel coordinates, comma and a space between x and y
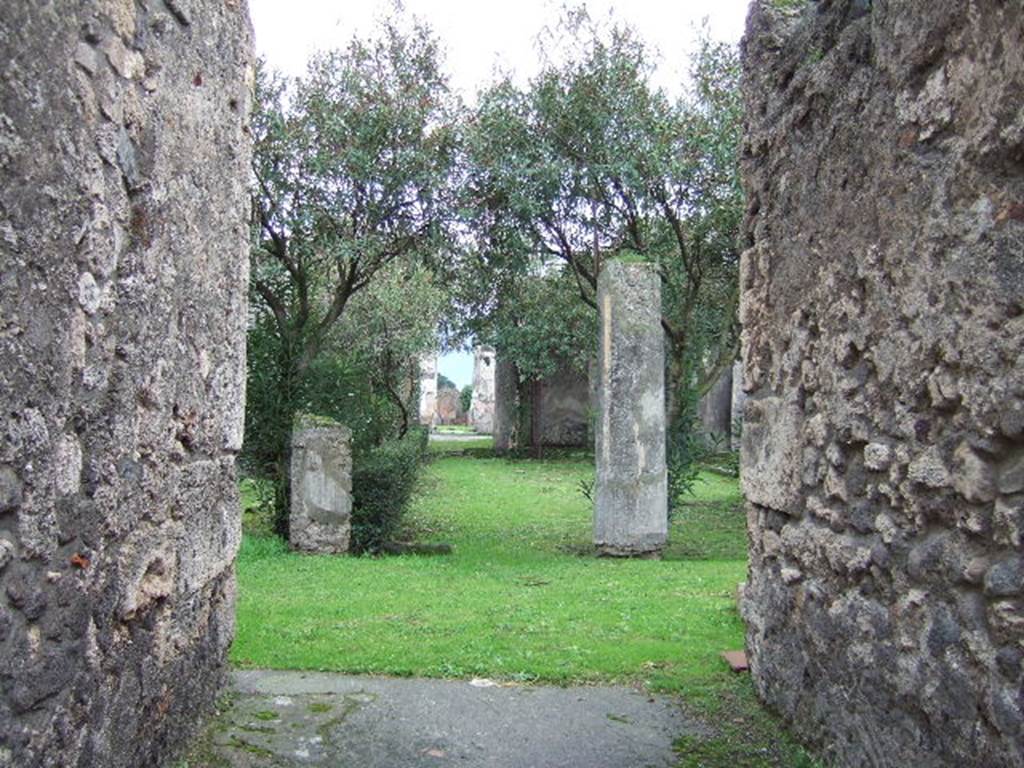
737, 660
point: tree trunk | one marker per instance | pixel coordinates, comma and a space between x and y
289, 385
536, 419
396, 398
675, 383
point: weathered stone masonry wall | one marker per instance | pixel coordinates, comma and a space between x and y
883, 312
123, 210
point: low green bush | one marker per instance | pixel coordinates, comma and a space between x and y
383, 478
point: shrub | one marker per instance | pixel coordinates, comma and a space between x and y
336, 386
685, 449
383, 479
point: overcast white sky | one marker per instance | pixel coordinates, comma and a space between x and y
479, 36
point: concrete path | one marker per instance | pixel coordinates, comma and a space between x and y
315, 719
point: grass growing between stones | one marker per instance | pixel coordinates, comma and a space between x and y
521, 598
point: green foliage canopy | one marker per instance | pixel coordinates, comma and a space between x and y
590, 160
352, 210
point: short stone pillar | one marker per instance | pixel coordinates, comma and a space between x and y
321, 478
631, 501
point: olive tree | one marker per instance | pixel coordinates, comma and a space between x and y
352, 170
590, 161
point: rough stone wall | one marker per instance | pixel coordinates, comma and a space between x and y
883, 313
123, 232
481, 409
320, 514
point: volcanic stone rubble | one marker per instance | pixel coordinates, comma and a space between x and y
123, 239
883, 316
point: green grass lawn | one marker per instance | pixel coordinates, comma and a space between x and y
482, 444
522, 598
454, 429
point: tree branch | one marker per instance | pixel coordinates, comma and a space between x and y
275, 304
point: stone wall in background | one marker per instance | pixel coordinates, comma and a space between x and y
448, 408
883, 314
559, 408
565, 409
320, 513
714, 410
123, 237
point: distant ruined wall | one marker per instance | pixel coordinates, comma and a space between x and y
448, 408
714, 410
565, 408
123, 229
883, 315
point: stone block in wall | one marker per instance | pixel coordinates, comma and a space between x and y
124, 173
320, 519
882, 301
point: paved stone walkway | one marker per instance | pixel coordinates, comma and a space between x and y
285, 719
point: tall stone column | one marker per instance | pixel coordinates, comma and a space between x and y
505, 390
428, 389
124, 208
631, 503
481, 410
